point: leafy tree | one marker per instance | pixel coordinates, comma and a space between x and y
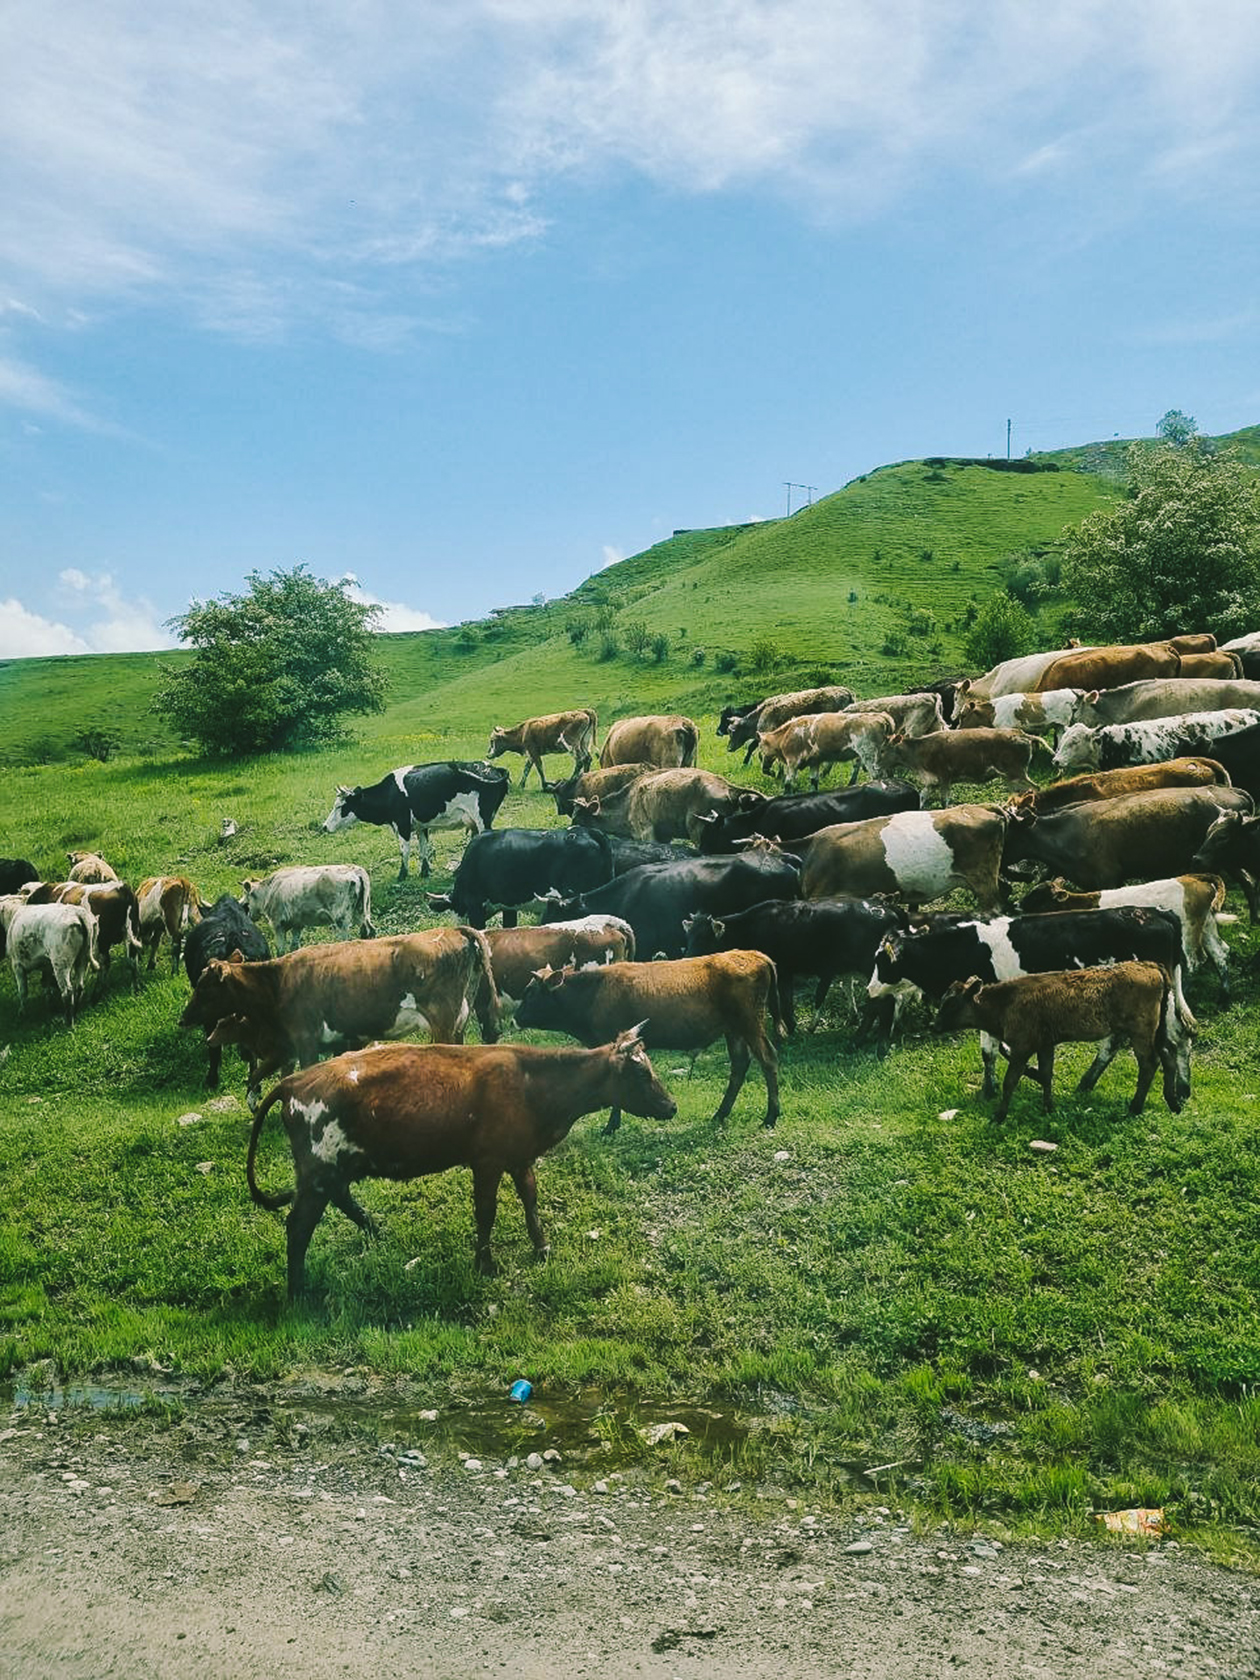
1002, 629
276, 668
1176, 428
1182, 552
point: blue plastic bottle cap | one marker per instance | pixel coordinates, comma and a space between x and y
521, 1390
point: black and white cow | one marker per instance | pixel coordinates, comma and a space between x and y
930, 959
514, 866
1150, 741
821, 937
418, 797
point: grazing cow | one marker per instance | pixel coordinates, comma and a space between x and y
1232, 847
15, 873
168, 904
668, 805
1195, 900
57, 940
117, 914
596, 784
416, 798
513, 866
89, 867
792, 816
1167, 697
964, 755
917, 713
919, 854
557, 732
286, 1010
335, 895
669, 743
1108, 667
1036, 714
681, 1005
931, 959
777, 709
1128, 1003
1237, 755
657, 899
223, 932
403, 1111
1111, 841
1114, 784
1115, 746
822, 937
730, 715
517, 953
819, 739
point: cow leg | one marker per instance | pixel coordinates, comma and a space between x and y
989, 1048
342, 1197
1045, 1074
1103, 1058
764, 1052
1014, 1073
1148, 1067
404, 854
530, 764
1218, 953
510, 915
527, 1190
177, 950
787, 998
485, 1206
214, 1057
614, 1120
750, 749
305, 1214
740, 1056
426, 853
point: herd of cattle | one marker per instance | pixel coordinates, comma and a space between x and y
678, 908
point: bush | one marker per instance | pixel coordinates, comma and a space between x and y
763, 655
609, 647
1002, 629
99, 744
725, 661
697, 656
638, 637
921, 622
895, 645
577, 630
658, 647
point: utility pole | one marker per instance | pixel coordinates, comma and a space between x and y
1008, 440
809, 489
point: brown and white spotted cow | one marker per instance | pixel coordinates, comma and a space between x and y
921, 855
820, 739
168, 904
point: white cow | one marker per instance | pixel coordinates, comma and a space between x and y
1117, 745
336, 895
56, 939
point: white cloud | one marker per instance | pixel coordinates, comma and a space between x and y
110, 621
394, 615
610, 556
27, 389
25, 635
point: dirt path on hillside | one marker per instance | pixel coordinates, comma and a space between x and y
144, 1549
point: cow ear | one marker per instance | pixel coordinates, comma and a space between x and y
972, 986
237, 956
719, 928
342, 792
631, 1038
1091, 699
747, 801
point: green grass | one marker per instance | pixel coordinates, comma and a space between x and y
1021, 1337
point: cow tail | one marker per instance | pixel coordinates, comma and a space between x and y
93, 950
774, 1003
688, 746
592, 746
483, 994
264, 1198
368, 931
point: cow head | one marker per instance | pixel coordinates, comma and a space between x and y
341, 816
1230, 840
497, 741
959, 1004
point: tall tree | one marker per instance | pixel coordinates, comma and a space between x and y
1181, 552
278, 667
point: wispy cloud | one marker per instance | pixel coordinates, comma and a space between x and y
27, 635
394, 615
110, 621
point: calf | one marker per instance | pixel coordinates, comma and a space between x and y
682, 1005
115, 908
517, 953
336, 895
57, 940
929, 959
1036, 714
822, 937
405, 1111
777, 709
1118, 745
820, 739
968, 755
289, 1009
669, 743
224, 932
557, 732
89, 867
169, 904
1130, 1003
1195, 900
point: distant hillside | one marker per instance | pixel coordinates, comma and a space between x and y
870, 586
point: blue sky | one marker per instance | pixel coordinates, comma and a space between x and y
468, 301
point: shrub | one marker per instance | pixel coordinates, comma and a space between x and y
577, 630
895, 645
1003, 629
97, 743
638, 637
763, 655
921, 622
658, 647
609, 646
725, 661
697, 656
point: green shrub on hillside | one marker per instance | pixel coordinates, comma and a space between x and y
1002, 629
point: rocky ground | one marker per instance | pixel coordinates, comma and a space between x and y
149, 1548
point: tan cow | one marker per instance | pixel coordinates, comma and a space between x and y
556, 732
820, 739
168, 904
668, 805
89, 866
968, 755
670, 743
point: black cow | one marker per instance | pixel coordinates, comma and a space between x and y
792, 816
514, 866
823, 937
657, 899
629, 854
931, 958
223, 929
418, 797
15, 873
732, 714
1239, 753
1232, 847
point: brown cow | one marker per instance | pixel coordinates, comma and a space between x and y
90, 867
668, 805
919, 854
117, 917
1129, 1002
288, 1009
966, 755
1108, 667
670, 743
556, 732
597, 784
589, 941
820, 739
743, 727
168, 904
404, 1111
682, 1004
1115, 784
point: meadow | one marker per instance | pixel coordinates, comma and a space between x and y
886, 1280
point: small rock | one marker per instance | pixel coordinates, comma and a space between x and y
1041, 1146
534, 1461
599, 1487
205, 1166
859, 1548
330, 1583
551, 1456
472, 1464
782, 1155
190, 1119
